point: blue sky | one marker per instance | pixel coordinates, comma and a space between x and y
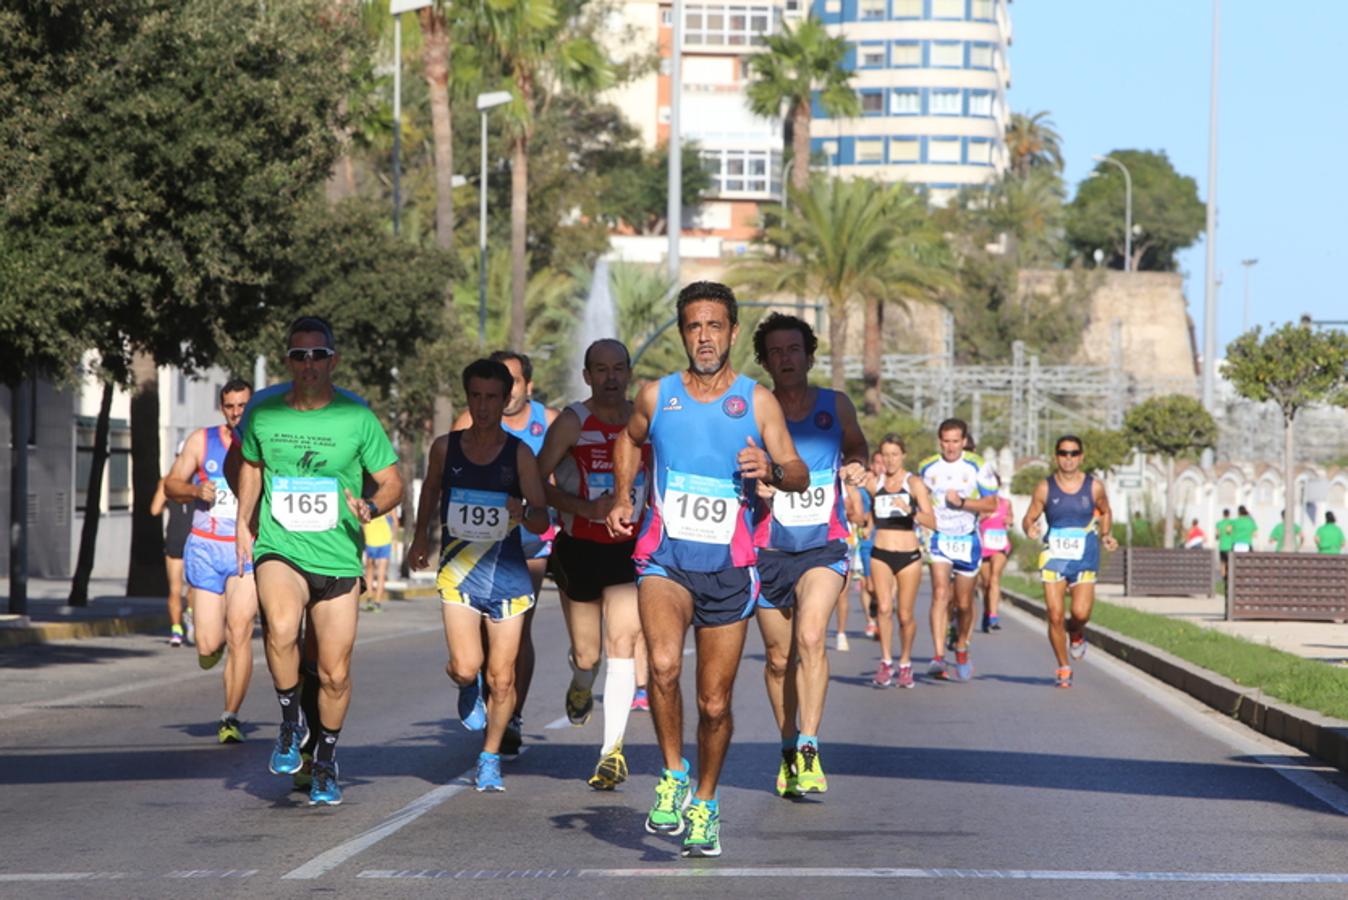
1120, 75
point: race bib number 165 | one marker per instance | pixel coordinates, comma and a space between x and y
304, 504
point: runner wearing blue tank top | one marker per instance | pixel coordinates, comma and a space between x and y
528, 420
223, 601
1076, 509
713, 434
802, 547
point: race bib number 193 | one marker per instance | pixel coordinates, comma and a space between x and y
305, 504
699, 508
478, 515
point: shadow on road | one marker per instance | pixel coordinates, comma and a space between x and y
34, 656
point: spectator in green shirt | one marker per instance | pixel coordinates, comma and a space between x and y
1243, 530
1225, 539
1275, 536
1329, 536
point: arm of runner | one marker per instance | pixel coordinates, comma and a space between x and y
250, 490
160, 500
388, 494
178, 482
428, 504
561, 437
925, 514
855, 452
987, 499
627, 460
1030, 524
778, 448
535, 514
1104, 516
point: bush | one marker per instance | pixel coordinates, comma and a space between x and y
1027, 479
918, 438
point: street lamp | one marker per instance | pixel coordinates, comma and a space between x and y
1248, 264
397, 8
1127, 211
485, 103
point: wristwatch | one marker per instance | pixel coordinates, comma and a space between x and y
777, 474
374, 510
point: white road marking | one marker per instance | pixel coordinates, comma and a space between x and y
563, 722
12, 877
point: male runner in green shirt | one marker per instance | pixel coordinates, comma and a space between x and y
1275, 537
1329, 536
1225, 537
1243, 530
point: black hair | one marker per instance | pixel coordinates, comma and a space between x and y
586, 363
233, 386
782, 322
952, 425
312, 325
526, 367
489, 368
895, 439
1057, 445
1329, 517
1241, 510
1226, 513
708, 290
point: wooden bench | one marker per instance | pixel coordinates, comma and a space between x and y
1306, 586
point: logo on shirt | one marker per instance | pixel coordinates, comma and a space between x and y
734, 406
536, 429
457, 470
823, 421
673, 404
211, 465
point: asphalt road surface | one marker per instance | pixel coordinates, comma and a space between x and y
112, 785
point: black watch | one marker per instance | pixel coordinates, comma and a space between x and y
374, 510
778, 474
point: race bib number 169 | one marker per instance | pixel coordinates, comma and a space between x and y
699, 508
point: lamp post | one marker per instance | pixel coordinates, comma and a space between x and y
1248, 264
1127, 211
397, 8
1210, 234
485, 103
674, 200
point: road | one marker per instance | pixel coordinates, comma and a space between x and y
112, 785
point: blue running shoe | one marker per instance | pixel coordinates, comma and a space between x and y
472, 711
963, 668
285, 756
489, 773
325, 791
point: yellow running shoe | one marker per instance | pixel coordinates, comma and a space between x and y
611, 770
786, 775
810, 778
230, 732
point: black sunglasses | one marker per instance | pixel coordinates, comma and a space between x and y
1069, 453
308, 354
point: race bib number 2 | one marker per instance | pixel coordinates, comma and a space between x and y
812, 507
699, 508
478, 515
305, 504
226, 505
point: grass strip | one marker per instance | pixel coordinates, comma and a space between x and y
1307, 683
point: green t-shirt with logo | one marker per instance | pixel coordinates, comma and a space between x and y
1243, 531
1329, 538
1275, 536
1225, 539
309, 460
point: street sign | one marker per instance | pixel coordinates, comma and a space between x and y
402, 6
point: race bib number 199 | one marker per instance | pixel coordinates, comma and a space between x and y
477, 515
305, 504
699, 508
812, 507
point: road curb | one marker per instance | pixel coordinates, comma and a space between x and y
42, 632
1321, 736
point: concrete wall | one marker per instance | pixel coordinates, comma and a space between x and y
51, 464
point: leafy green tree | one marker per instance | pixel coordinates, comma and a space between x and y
1106, 449
1172, 427
917, 436
1032, 143
1027, 479
1294, 367
802, 63
636, 193
1167, 214
1022, 215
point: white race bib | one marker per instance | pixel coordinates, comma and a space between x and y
477, 515
226, 505
889, 505
699, 508
1067, 543
600, 483
813, 507
305, 504
996, 539
955, 547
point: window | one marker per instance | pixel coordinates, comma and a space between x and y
907, 9
945, 103
870, 152
905, 103
981, 9
943, 150
743, 171
729, 26
980, 153
980, 103
793, 6
872, 102
872, 57
117, 475
667, 17
947, 54
832, 7
905, 150
906, 53
870, 10
947, 9
980, 56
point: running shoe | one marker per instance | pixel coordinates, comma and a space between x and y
513, 739
872, 631
209, 661
176, 636
841, 644
1076, 648
489, 773
611, 770
810, 778
786, 774
1063, 677
906, 675
641, 701
671, 799
704, 831
472, 711
964, 670
189, 627
994, 623
229, 731
579, 704
285, 756
302, 779
937, 670
373, 607
884, 676
324, 790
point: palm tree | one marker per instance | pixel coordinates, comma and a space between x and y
837, 241
1032, 142
800, 62
435, 58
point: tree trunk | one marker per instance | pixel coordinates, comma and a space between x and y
145, 576
837, 344
519, 226
93, 502
800, 147
1169, 502
435, 57
870, 355
1289, 489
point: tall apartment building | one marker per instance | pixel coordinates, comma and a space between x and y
932, 76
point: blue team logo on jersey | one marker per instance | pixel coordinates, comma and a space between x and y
536, 428
211, 465
823, 421
734, 406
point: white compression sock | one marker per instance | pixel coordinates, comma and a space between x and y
620, 686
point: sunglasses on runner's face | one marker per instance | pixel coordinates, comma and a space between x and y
308, 354
1069, 453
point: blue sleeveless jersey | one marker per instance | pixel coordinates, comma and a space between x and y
1071, 541
215, 521
794, 522
534, 430
472, 502
699, 517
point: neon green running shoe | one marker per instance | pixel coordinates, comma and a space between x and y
230, 732
304, 778
704, 831
611, 770
209, 661
786, 775
671, 799
810, 778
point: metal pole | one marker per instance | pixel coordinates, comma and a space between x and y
482, 241
397, 119
20, 424
1127, 211
1210, 292
674, 212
